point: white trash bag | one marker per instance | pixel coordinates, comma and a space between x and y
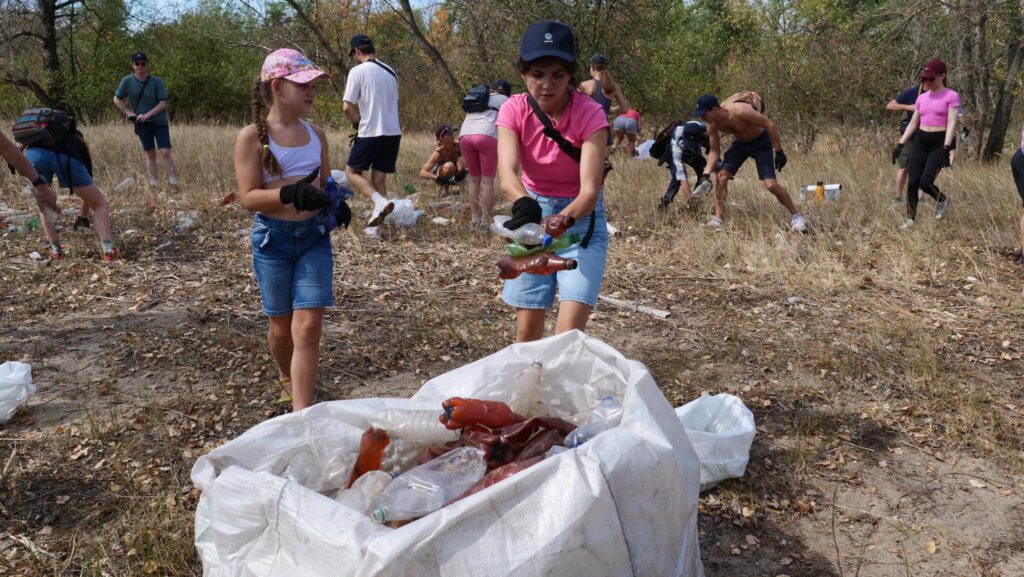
404, 213
623, 503
15, 387
721, 429
643, 150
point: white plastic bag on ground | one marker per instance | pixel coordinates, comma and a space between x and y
15, 387
623, 504
643, 150
721, 429
404, 213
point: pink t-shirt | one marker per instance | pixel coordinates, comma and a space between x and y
934, 106
546, 170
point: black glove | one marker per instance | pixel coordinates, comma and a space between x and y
304, 195
780, 160
133, 119
704, 178
945, 157
442, 180
460, 176
966, 132
524, 210
896, 152
343, 215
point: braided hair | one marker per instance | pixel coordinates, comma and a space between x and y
261, 97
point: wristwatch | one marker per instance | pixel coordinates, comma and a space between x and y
39, 180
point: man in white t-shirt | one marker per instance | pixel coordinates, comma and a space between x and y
371, 103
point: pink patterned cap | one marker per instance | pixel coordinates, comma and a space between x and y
291, 65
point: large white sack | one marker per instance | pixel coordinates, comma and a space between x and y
721, 429
624, 504
15, 387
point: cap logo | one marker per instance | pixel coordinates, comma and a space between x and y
547, 37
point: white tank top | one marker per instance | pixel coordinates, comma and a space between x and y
295, 161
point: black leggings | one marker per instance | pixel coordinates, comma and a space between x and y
925, 163
1017, 166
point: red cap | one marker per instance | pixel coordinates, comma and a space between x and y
933, 69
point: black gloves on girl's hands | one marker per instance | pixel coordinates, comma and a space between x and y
304, 195
524, 210
896, 152
780, 160
944, 156
343, 214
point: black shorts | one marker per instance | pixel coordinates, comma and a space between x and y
377, 152
760, 149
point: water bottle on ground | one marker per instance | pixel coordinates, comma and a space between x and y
427, 488
364, 495
543, 263
414, 425
607, 415
529, 233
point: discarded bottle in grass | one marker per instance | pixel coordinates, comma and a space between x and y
427, 488
608, 414
829, 192
543, 263
518, 250
184, 220
460, 413
364, 495
530, 233
412, 425
371, 452
556, 224
123, 185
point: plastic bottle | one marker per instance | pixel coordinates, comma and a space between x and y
412, 425
430, 486
556, 224
518, 250
608, 414
543, 263
819, 191
529, 233
364, 495
459, 413
371, 452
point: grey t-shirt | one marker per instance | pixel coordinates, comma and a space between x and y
129, 88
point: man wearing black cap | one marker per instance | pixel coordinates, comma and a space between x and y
147, 97
756, 137
371, 103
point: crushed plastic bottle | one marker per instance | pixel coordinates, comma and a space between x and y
530, 233
543, 263
427, 488
184, 220
123, 185
364, 495
607, 415
518, 249
413, 425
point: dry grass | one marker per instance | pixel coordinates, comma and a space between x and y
888, 340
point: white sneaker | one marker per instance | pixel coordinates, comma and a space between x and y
372, 231
381, 208
906, 224
941, 209
714, 224
797, 223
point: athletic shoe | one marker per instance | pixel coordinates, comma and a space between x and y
702, 190
907, 224
381, 209
941, 209
797, 223
112, 255
714, 224
663, 205
372, 231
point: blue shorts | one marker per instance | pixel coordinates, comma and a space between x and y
149, 133
760, 149
537, 291
625, 124
377, 152
48, 163
293, 262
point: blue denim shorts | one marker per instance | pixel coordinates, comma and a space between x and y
153, 135
535, 291
293, 262
48, 163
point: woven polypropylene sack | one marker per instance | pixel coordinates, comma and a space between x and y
623, 504
15, 387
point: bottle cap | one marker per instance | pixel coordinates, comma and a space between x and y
546, 240
570, 264
378, 515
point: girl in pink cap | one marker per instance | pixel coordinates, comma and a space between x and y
281, 164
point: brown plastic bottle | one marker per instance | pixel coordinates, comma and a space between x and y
556, 224
543, 263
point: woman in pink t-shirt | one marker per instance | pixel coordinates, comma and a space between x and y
541, 177
932, 127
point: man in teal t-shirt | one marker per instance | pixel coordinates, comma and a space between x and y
142, 97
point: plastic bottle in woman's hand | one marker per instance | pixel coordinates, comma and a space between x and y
530, 233
556, 224
543, 263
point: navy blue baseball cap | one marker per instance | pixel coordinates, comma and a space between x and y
137, 56
502, 86
548, 38
705, 104
443, 130
357, 41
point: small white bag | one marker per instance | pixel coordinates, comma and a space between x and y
721, 429
15, 387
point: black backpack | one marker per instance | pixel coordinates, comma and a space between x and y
54, 130
477, 99
663, 140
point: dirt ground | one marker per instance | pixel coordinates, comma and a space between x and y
889, 425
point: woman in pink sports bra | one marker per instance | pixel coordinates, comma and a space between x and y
932, 127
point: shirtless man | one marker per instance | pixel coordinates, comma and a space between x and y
756, 136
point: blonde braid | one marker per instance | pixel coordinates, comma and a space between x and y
258, 107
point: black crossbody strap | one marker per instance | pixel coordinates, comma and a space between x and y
385, 67
138, 101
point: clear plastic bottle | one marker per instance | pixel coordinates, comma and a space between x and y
427, 488
607, 415
364, 495
414, 425
543, 263
530, 233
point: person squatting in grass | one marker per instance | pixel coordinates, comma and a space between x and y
627, 126
445, 166
684, 149
148, 113
478, 141
541, 177
71, 173
756, 137
1017, 166
932, 129
278, 159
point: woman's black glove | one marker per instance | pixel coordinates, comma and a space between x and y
343, 214
304, 195
780, 160
945, 157
442, 180
524, 210
896, 152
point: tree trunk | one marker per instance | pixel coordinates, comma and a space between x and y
1004, 104
410, 21
324, 43
54, 94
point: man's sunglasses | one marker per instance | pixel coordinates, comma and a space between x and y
140, 63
